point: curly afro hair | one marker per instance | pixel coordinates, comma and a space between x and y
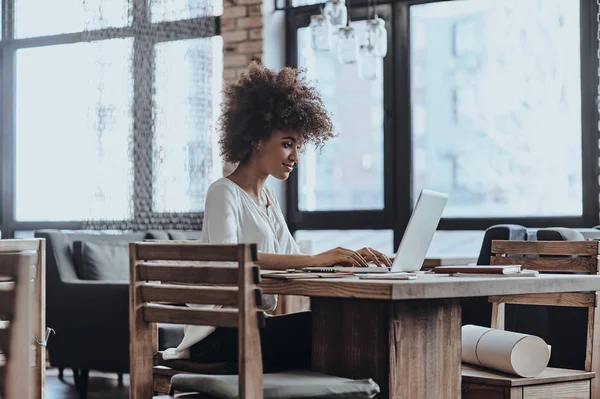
262, 101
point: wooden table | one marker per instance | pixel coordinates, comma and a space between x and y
290, 304
406, 335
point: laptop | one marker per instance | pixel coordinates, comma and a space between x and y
416, 239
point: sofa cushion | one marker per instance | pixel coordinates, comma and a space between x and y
185, 234
101, 260
177, 235
157, 235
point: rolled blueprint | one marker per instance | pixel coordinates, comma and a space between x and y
514, 353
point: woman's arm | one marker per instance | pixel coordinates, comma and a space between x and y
338, 256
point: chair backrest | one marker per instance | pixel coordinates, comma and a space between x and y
38, 328
580, 257
164, 272
499, 232
15, 335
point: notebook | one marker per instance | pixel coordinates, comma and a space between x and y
479, 269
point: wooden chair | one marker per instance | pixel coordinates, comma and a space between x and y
173, 272
16, 373
557, 257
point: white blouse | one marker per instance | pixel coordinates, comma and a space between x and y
232, 216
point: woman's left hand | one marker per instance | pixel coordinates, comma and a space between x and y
376, 257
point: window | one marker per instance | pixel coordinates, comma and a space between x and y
490, 101
60, 148
186, 163
347, 174
111, 114
495, 146
344, 185
42, 18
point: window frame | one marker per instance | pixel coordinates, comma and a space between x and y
140, 10
398, 140
365, 219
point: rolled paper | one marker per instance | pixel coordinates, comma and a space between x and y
514, 353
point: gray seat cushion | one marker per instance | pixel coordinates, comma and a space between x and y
284, 385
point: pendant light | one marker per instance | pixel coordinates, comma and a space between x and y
337, 12
320, 32
368, 63
377, 36
347, 45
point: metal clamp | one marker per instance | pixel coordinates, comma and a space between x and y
45, 341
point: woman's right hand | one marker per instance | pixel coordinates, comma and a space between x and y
339, 257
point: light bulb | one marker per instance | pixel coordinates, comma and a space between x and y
337, 12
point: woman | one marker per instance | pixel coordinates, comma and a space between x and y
266, 119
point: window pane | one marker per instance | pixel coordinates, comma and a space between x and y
73, 130
172, 10
348, 173
496, 111
40, 18
188, 87
317, 241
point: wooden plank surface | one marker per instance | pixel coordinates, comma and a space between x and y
410, 349
550, 375
7, 297
569, 299
226, 296
482, 391
431, 287
572, 265
187, 250
545, 247
425, 349
189, 274
183, 315
351, 339
571, 390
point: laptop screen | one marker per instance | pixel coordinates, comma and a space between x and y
419, 232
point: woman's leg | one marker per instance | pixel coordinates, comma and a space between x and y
286, 343
220, 346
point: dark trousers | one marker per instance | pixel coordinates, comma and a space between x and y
286, 344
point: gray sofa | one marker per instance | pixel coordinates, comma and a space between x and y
87, 301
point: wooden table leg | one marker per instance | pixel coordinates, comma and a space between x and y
412, 349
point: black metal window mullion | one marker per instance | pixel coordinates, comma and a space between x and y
143, 81
401, 144
7, 117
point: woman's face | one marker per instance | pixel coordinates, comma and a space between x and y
278, 154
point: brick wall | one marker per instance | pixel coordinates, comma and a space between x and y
242, 31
